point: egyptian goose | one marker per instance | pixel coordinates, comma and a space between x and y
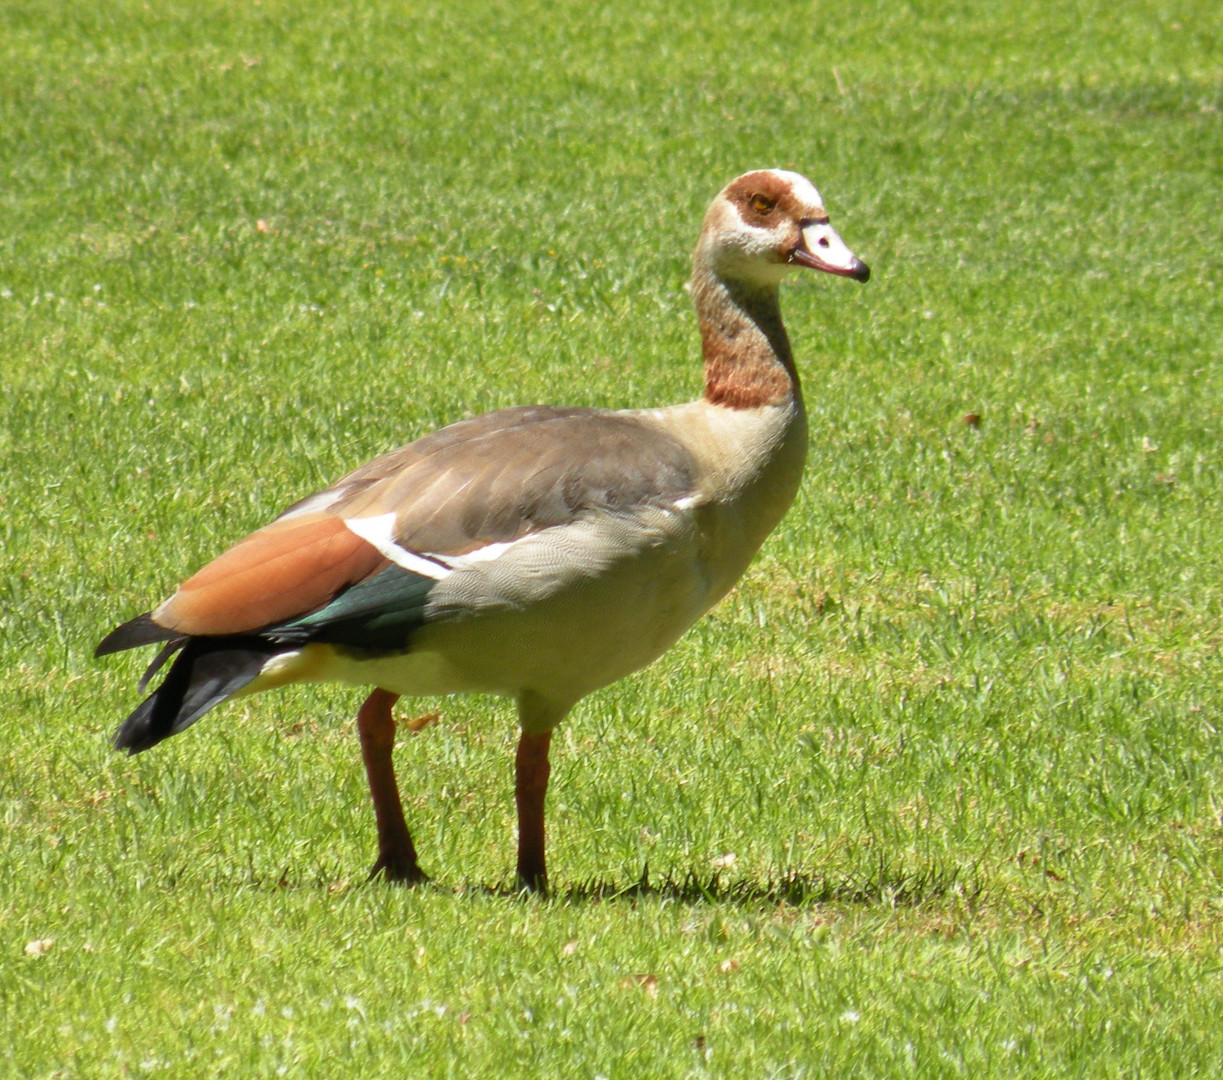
535, 552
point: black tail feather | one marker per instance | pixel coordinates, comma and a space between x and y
141, 630
159, 661
205, 673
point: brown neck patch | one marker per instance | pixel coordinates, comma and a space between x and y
747, 355
731, 382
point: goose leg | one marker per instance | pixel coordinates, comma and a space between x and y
530, 786
396, 853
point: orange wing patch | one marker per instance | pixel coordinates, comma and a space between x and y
288, 568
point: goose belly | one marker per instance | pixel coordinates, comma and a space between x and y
559, 614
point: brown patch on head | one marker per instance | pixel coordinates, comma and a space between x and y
765, 199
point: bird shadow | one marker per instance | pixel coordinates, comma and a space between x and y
884, 883
893, 886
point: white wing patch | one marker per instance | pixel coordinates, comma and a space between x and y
487, 553
380, 531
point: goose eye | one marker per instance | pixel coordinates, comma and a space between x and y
762, 204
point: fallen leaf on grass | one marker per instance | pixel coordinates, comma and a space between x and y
648, 983
419, 723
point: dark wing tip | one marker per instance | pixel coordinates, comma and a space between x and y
204, 674
141, 630
135, 735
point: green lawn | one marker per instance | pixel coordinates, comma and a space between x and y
937, 792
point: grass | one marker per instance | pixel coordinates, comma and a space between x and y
938, 791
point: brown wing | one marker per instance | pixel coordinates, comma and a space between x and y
284, 569
487, 480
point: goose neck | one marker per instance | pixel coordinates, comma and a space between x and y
748, 361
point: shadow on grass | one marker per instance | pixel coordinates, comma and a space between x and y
886, 884
889, 885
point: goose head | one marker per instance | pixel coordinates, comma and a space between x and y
764, 225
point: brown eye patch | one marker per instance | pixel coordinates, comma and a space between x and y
761, 196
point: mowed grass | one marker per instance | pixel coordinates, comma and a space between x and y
937, 792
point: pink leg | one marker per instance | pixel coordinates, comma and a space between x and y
530, 786
396, 854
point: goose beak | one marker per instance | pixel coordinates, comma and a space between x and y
822, 249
